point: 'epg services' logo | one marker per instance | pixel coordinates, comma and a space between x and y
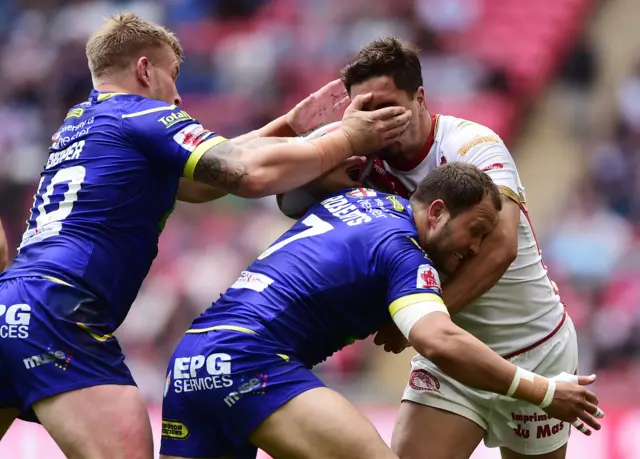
14, 321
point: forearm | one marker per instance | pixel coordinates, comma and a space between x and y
276, 167
469, 361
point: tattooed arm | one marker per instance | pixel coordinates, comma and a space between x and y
267, 165
199, 192
287, 164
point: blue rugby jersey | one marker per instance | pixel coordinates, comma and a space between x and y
334, 277
108, 186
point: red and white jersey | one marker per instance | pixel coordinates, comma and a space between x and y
523, 308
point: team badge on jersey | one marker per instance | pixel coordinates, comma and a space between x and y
362, 193
191, 136
427, 278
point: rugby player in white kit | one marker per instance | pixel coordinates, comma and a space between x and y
499, 291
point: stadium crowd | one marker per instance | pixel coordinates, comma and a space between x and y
301, 44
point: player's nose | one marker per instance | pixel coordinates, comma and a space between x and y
177, 101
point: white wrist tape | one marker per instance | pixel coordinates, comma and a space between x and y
407, 317
527, 375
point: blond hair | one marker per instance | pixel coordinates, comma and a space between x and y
123, 37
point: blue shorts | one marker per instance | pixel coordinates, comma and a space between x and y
220, 386
50, 345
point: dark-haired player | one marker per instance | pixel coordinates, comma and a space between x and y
502, 295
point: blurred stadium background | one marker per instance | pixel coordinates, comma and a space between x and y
558, 79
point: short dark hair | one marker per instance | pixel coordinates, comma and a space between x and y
460, 185
388, 56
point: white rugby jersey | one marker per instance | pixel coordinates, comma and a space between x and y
523, 307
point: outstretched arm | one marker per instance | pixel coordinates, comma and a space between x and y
466, 359
278, 165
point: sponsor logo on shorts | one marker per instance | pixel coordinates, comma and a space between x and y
428, 278
16, 320
175, 118
186, 378
254, 385
60, 359
175, 430
548, 429
424, 381
252, 281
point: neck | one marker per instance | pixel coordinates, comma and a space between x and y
420, 220
426, 124
112, 87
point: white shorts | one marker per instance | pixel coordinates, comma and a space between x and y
516, 425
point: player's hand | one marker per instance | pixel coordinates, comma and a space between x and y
390, 336
369, 131
575, 404
322, 107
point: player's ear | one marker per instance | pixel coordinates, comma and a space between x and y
436, 212
143, 71
420, 97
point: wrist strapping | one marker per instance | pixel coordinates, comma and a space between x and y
532, 388
334, 148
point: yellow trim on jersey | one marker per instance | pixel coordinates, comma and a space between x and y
200, 150
416, 243
223, 327
109, 95
150, 110
435, 130
509, 193
284, 357
409, 300
94, 335
477, 141
57, 281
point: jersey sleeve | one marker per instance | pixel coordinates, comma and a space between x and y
480, 146
169, 136
410, 276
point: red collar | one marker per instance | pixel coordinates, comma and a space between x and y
407, 165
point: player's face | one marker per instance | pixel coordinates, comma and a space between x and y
387, 94
164, 70
451, 240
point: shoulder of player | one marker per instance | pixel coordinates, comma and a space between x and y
370, 209
460, 136
142, 109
